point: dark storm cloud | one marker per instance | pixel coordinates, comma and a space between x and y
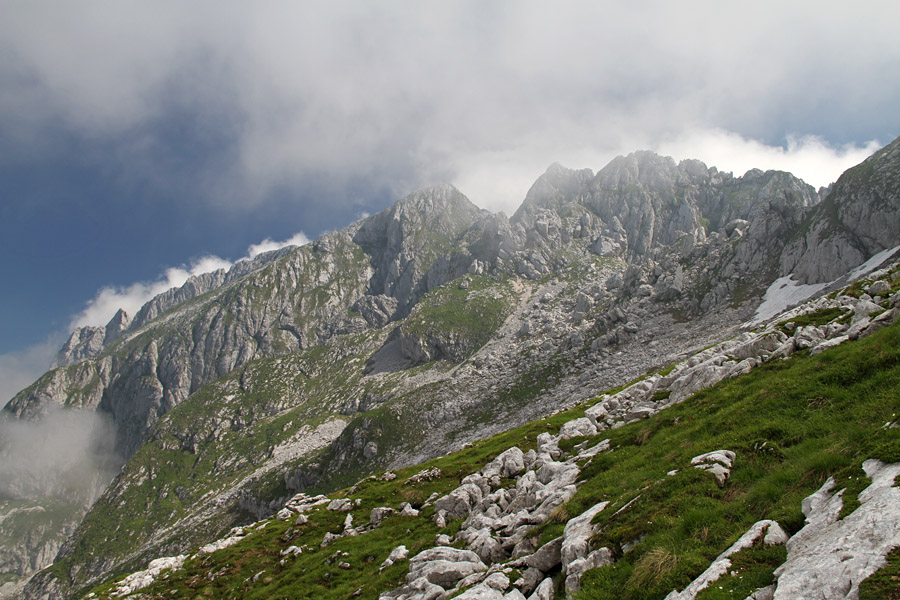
409, 93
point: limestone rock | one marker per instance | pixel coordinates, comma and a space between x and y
577, 427
577, 534
397, 554
379, 514
544, 591
717, 462
769, 532
340, 505
444, 566
547, 556
828, 558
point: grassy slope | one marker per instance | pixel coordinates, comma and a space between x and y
792, 425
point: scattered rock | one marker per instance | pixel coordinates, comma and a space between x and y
398, 553
340, 505
717, 462
769, 532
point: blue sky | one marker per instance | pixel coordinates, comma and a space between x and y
143, 141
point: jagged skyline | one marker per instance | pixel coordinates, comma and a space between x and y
138, 139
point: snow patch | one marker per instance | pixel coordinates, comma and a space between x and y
871, 264
781, 295
785, 292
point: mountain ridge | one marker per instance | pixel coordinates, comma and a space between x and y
434, 323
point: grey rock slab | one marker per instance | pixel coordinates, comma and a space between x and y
529, 581
577, 568
577, 427
767, 531
481, 592
827, 344
547, 556
340, 505
544, 591
829, 558
444, 572
398, 553
509, 463
577, 535
717, 462
379, 514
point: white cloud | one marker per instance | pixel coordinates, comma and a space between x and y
108, 300
298, 239
499, 180
409, 93
68, 454
19, 369
809, 157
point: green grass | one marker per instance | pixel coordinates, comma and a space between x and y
884, 584
792, 424
460, 321
821, 416
821, 317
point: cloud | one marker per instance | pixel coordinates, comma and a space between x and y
20, 369
298, 239
131, 298
499, 180
67, 454
407, 94
809, 157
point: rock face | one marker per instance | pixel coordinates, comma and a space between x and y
859, 218
575, 293
494, 553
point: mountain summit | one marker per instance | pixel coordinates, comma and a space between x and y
423, 329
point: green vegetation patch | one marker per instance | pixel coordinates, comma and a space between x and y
459, 317
884, 584
792, 425
818, 318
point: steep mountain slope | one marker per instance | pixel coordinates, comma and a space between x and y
418, 330
701, 494
860, 217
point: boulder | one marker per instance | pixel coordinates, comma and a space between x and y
508, 464
544, 591
820, 348
444, 566
406, 510
379, 514
481, 592
577, 568
459, 502
717, 462
577, 427
879, 288
340, 505
529, 581
577, 535
547, 556
398, 553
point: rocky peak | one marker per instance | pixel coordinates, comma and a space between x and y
857, 219
116, 326
84, 343
557, 185
410, 244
